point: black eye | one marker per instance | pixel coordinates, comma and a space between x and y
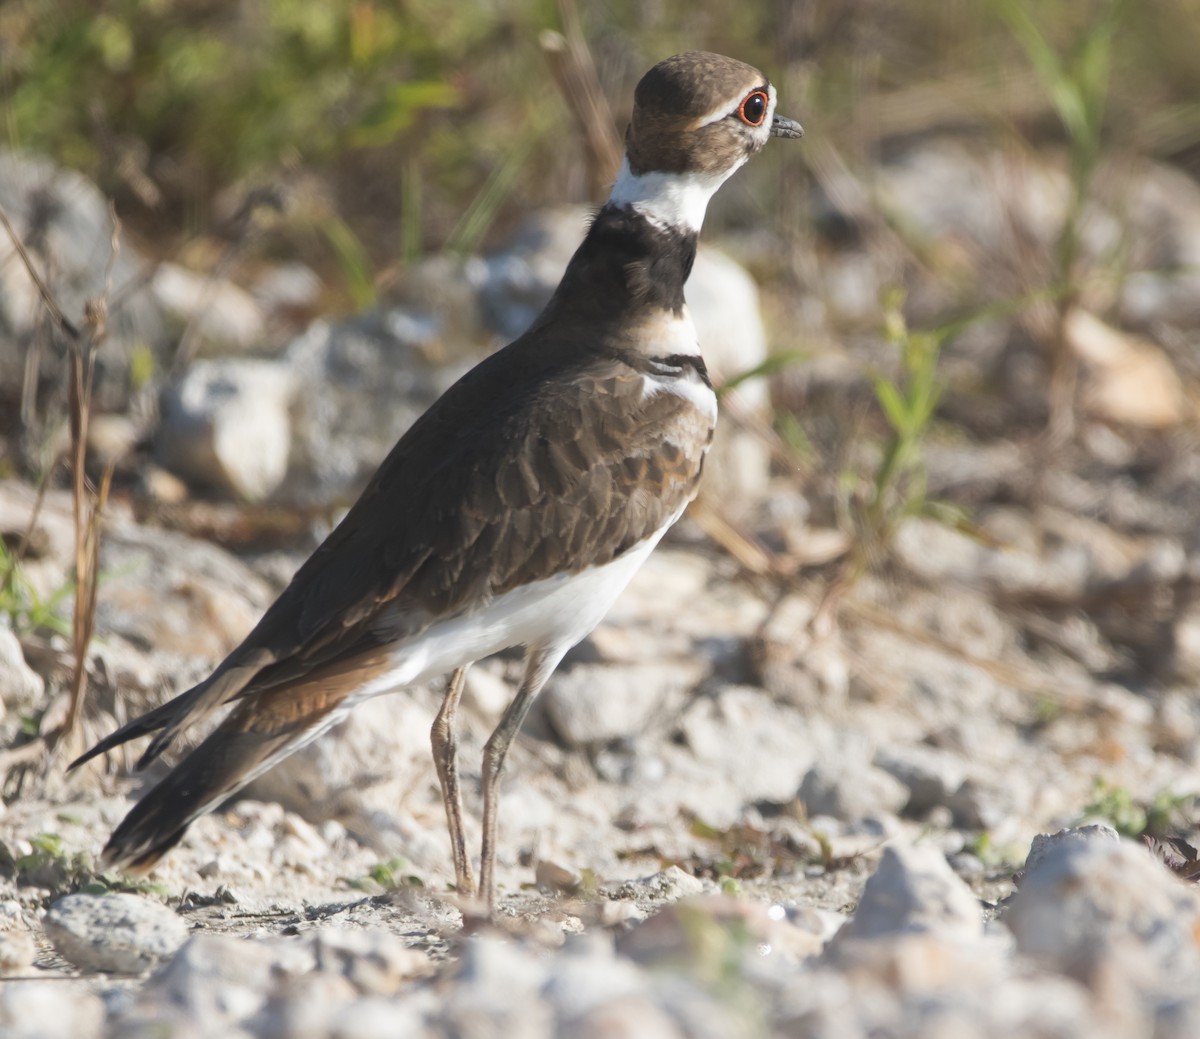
753, 110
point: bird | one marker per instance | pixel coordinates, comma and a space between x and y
511, 513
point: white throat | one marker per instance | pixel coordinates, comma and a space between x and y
676, 200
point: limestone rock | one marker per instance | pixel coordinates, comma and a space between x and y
43, 1010
1132, 380
73, 243
20, 686
364, 380
930, 775
914, 890
226, 426
1086, 897
117, 933
596, 703
223, 313
848, 790
761, 748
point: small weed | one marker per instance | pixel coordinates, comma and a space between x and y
1076, 79
873, 509
1168, 812
21, 604
743, 852
48, 865
981, 846
1116, 806
773, 364
393, 875
1163, 814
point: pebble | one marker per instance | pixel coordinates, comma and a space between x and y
223, 313
851, 790
598, 703
1086, 896
17, 951
375, 962
1053, 844
41, 1010
760, 749
496, 992
115, 934
670, 885
930, 775
20, 686
212, 415
912, 891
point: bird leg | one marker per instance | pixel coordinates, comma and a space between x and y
445, 757
539, 665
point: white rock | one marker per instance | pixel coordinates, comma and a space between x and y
64, 219
949, 190
217, 979
914, 890
375, 1018
496, 991
590, 977
117, 934
1050, 844
20, 685
723, 300
930, 775
223, 312
387, 736
596, 703
1085, 897
364, 381
287, 286
631, 1017
187, 599
668, 885
226, 425
16, 951
760, 748
49, 1010
308, 1005
1132, 381
851, 790
375, 961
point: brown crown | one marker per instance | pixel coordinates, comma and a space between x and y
669, 101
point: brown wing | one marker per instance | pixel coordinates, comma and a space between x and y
531, 464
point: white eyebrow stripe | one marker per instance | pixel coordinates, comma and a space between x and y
717, 114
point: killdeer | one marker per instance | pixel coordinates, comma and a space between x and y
514, 510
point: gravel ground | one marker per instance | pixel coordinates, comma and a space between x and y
957, 804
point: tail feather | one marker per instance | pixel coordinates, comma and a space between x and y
149, 722
214, 771
169, 719
260, 732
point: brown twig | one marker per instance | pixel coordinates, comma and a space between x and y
88, 501
574, 71
48, 300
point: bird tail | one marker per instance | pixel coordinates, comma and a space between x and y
253, 738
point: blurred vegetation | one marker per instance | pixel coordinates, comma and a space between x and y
391, 120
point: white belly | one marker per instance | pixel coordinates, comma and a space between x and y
554, 613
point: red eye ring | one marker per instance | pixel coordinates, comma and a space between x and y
753, 109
